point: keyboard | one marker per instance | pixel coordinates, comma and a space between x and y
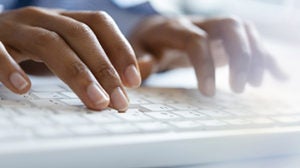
52, 116
59, 113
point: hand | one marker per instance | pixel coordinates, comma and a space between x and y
85, 49
191, 38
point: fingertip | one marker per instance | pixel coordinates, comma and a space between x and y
98, 98
281, 76
255, 82
274, 69
133, 77
208, 87
119, 100
146, 65
20, 82
255, 78
238, 82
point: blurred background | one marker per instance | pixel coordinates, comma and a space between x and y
274, 18
278, 22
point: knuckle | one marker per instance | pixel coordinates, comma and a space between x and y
29, 14
77, 74
100, 17
170, 23
106, 72
78, 69
196, 38
30, 9
79, 29
44, 38
231, 21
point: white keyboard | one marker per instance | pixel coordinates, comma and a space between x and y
55, 112
49, 127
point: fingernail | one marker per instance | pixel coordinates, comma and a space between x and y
119, 100
18, 81
241, 80
210, 86
132, 75
96, 95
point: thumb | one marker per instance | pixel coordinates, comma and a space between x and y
147, 65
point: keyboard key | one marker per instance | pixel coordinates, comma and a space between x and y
72, 102
262, 121
71, 95
5, 122
183, 106
134, 115
153, 126
287, 119
48, 88
87, 130
14, 134
15, 104
8, 112
241, 113
190, 114
100, 118
137, 101
43, 103
156, 107
52, 132
215, 113
240, 122
13, 96
212, 124
48, 95
29, 121
121, 128
186, 125
35, 112
163, 115
69, 119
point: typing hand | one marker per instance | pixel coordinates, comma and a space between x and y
191, 38
85, 49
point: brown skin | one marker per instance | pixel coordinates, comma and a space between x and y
191, 37
87, 49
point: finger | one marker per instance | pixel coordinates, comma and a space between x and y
257, 65
62, 61
29, 63
237, 46
234, 36
114, 43
273, 67
194, 41
146, 61
261, 59
11, 75
83, 41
